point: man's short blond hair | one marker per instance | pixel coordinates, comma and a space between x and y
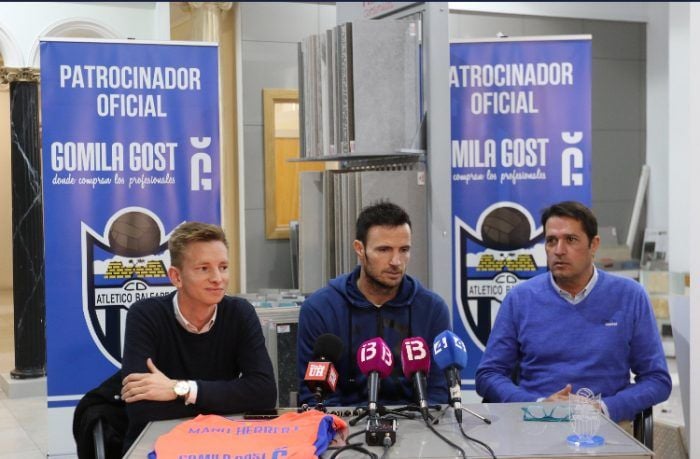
189, 232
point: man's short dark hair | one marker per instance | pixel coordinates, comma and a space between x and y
189, 232
575, 210
381, 214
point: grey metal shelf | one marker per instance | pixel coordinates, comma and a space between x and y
359, 162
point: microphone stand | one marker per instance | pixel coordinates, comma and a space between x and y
382, 410
306, 407
413, 407
356, 419
486, 420
398, 412
319, 395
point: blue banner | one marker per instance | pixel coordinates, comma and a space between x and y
521, 140
130, 150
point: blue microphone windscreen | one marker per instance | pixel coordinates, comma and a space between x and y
449, 350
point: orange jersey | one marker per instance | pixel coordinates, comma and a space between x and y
292, 435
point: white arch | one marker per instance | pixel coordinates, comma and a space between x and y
10, 50
73, 28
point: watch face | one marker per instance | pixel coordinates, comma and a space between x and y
181, 388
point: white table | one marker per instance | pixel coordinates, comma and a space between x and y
508, 435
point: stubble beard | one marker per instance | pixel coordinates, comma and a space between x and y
376, 283
379, 285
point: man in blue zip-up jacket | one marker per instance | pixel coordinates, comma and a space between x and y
377, 299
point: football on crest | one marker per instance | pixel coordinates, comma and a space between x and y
505, 228
134, 234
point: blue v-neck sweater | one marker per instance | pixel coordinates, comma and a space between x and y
593, 344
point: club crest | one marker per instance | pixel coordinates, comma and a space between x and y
491, 259
124, 262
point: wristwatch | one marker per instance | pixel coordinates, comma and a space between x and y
181, 389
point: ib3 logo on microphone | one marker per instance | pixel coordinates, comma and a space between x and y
121, 264
501, 251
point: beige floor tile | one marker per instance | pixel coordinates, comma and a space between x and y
35, 454
16, 440
39, 434
8, 422
26, 408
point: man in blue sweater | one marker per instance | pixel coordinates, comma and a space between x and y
196, 351
377, 299
575, 327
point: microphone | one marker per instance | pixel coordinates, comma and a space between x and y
450, 355
321, 376
375, 361
415, 360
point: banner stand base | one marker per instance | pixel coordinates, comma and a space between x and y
22, 388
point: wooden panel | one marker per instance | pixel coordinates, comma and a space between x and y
281, 176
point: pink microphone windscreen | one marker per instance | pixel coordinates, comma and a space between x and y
415, 356
375, 355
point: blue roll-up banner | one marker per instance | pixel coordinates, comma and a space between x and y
130, 150
521, 140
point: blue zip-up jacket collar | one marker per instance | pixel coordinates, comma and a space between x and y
341, 309
346, 285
